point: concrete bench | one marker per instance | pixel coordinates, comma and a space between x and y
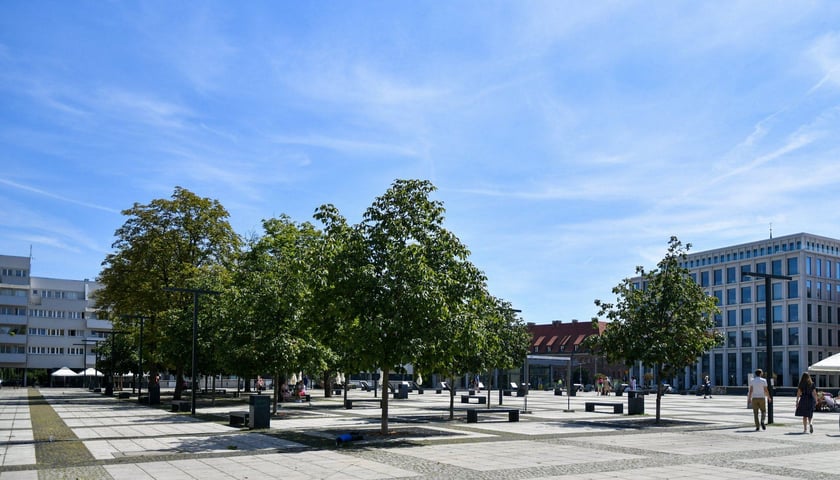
479, 399
239, 419
181, 405
472, 414
348, 404
123, 395
617, 407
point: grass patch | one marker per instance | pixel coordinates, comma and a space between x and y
55, 443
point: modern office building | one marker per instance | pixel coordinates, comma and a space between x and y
45, 323
805, 310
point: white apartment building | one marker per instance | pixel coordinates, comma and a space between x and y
45, 323
805, 310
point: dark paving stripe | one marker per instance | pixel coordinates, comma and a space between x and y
55, 443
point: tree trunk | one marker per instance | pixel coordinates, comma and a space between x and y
179, 384
384, 382
452, 389
276, 393
658, 391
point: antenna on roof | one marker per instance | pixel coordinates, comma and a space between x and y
771, 230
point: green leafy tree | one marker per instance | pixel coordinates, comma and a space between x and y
485, 334
269, 329
666, 325
403, 286
166, 243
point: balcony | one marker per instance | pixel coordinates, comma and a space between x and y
11, 359
13, 319
94, 324
18, 339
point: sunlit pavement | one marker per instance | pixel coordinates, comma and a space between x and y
697, 438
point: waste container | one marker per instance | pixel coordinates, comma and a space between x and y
154, 394
402, 391
522, 390
260, 413
635, 404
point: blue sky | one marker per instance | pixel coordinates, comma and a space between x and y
568, 140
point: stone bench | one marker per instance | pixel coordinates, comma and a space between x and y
617, 407
348, 404
181, 405
123, 395
472, 414
239, 419
478, 398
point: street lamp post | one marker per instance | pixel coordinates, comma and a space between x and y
195, 293
768, 331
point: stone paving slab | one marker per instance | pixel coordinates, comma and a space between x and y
711, 438
136, 447
289, 466
496, 456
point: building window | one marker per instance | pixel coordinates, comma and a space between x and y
776, 265
807, 265
732, 318
760, 315
761, 267
777, 291
793, 336
704, 279
777, 314
777, 336
760, 293
793, 266
746, 365
731, 339
731, 275
718, 276
731, 296
793, 312
746, 294
793, 289
746, 339
746, 316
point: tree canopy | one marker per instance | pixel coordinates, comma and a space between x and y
665, 323
397, 288
166, 243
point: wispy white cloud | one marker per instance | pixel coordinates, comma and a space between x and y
54, 196
354, 147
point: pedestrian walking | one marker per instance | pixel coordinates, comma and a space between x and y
757, 394
806, 402
707, 387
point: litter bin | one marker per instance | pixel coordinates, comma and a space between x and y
635, 404
260, 413
402, 391
154, 394
522, 390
